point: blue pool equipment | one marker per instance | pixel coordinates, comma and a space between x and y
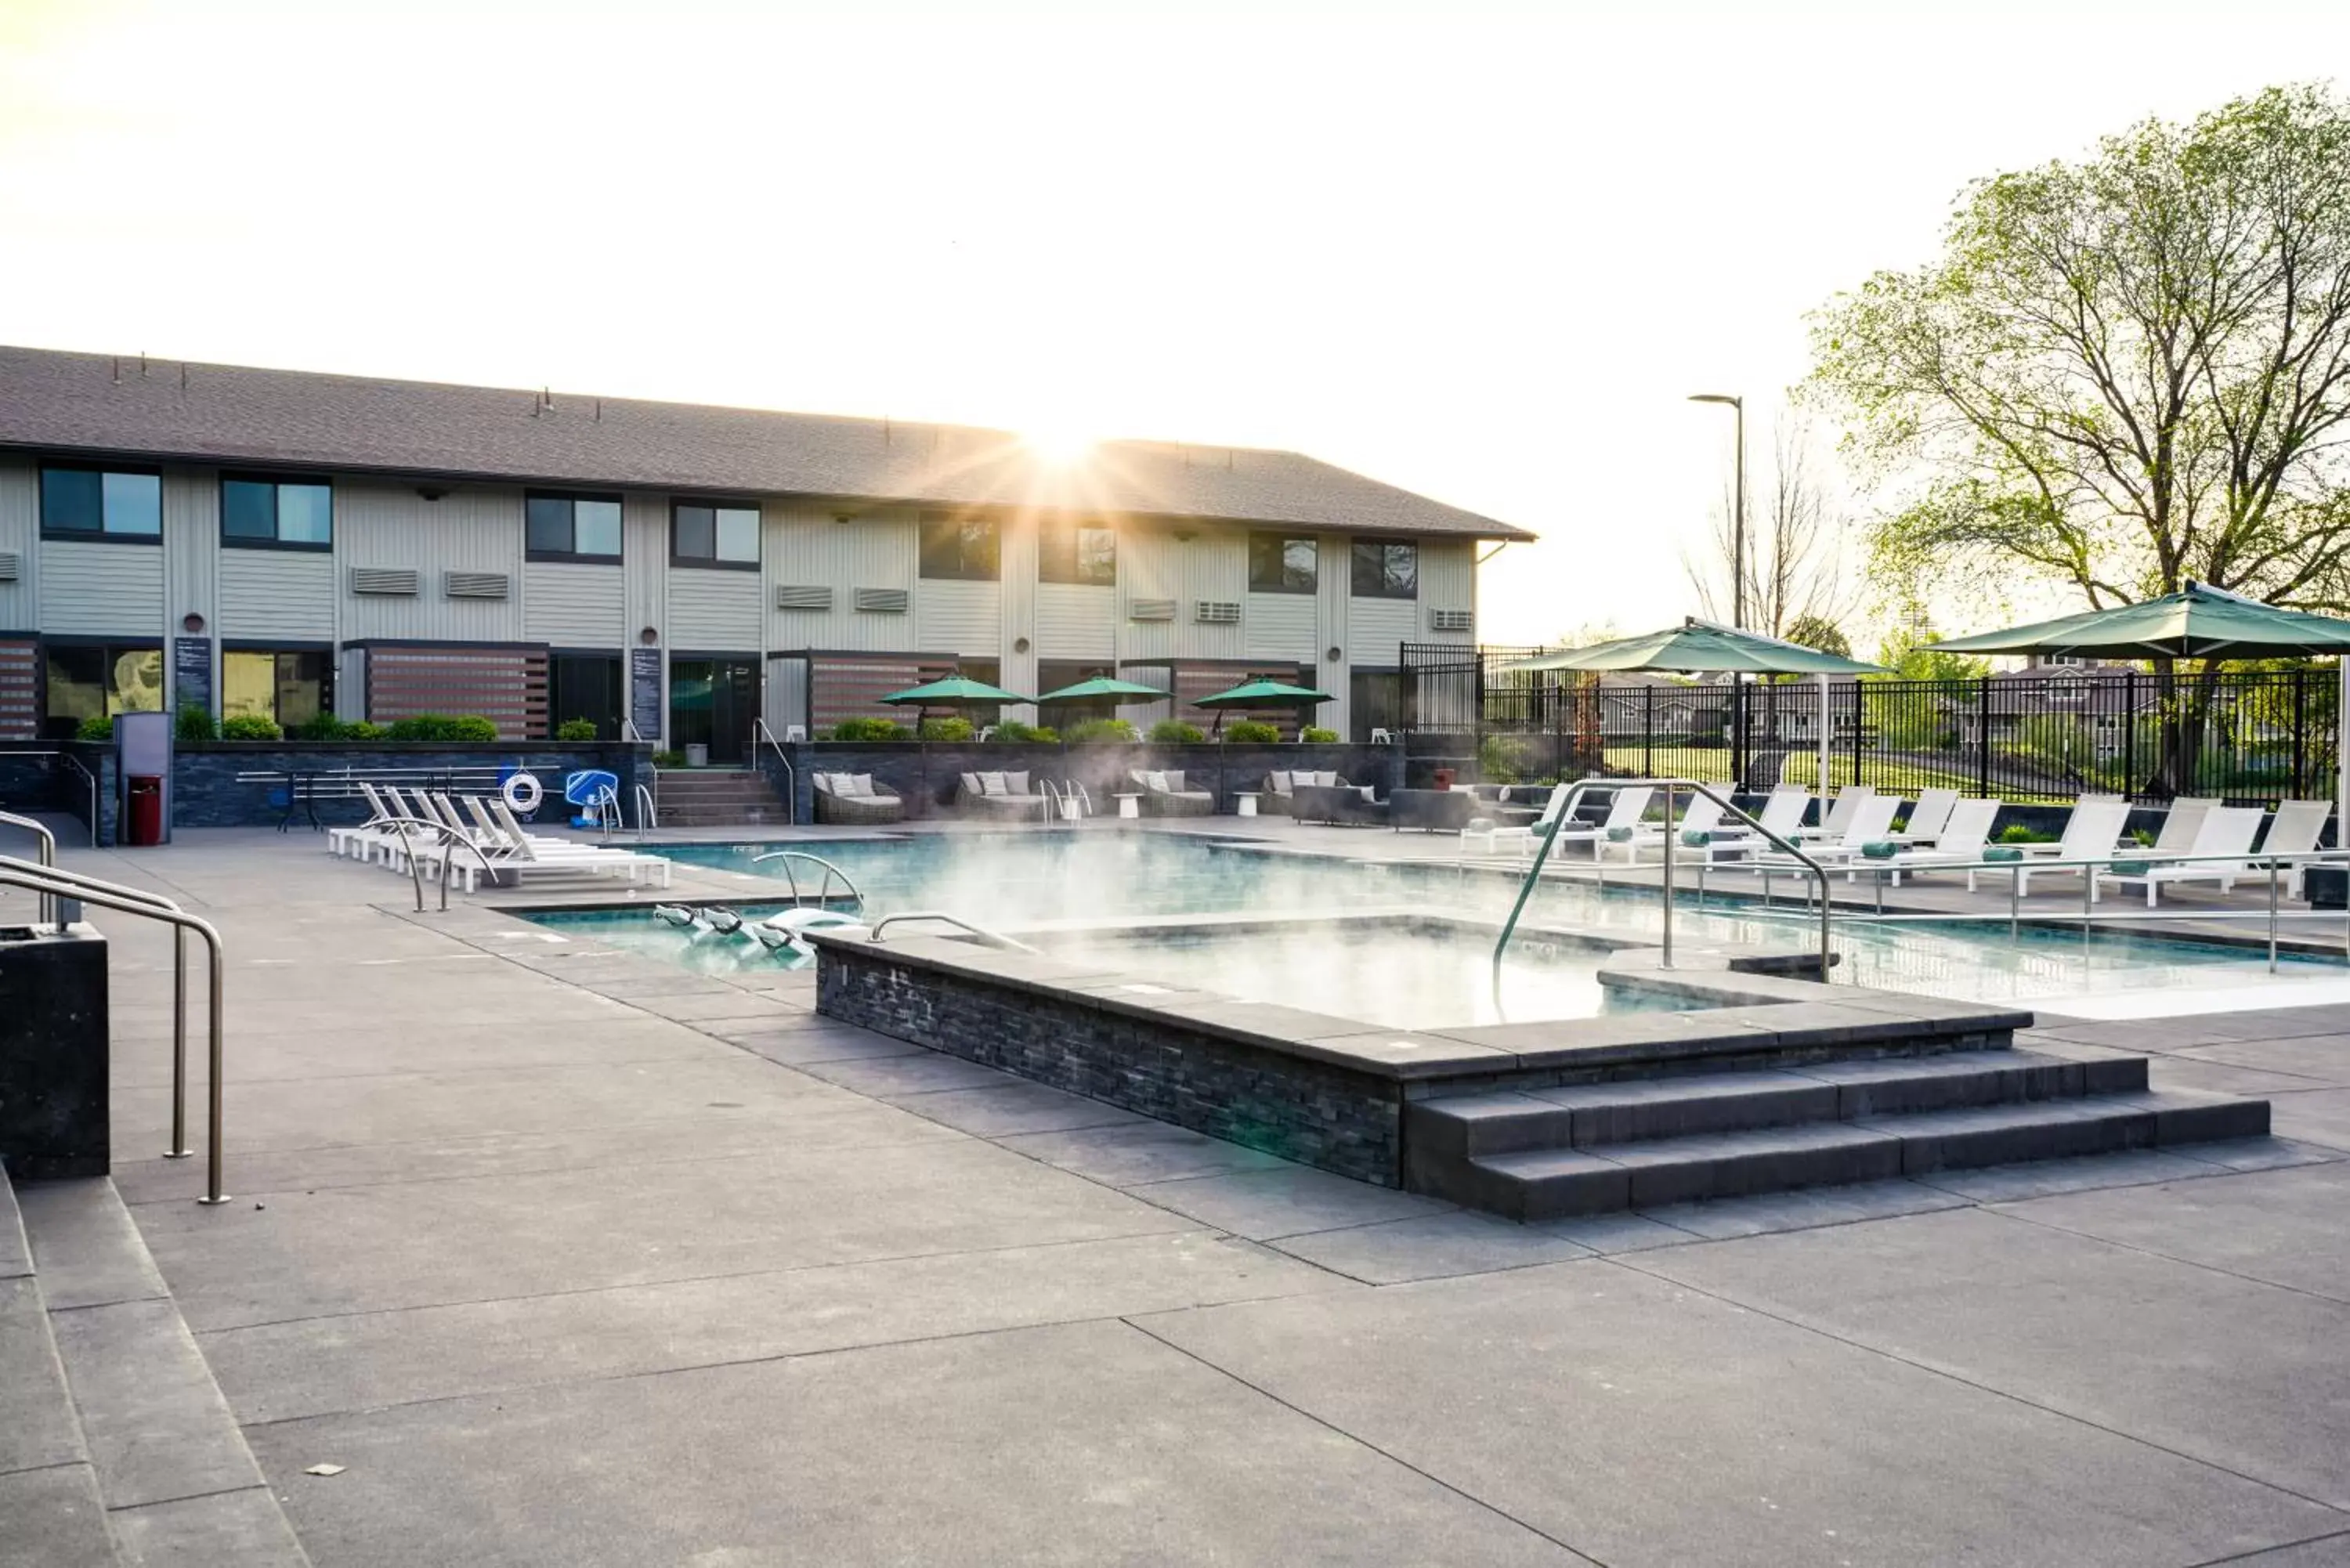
586, 790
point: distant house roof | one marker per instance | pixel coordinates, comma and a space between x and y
97, 403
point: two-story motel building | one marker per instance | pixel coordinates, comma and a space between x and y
279, 543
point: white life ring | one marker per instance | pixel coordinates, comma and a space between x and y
522, 793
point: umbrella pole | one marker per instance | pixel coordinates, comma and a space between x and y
2342, 756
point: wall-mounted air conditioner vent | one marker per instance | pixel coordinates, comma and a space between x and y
12, 565
394, 582
803, 599
1152, 609
881, 601
1451, 620
1216, 612
473, 585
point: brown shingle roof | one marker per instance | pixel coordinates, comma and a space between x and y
96, 403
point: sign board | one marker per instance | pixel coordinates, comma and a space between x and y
645, 691
192, 672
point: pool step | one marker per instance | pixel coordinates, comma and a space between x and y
1588, 1148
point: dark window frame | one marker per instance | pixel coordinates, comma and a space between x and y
931, 551
1061, 555
239, 541
713, 562
100, 535
1383, 587
572, 498
1279, 583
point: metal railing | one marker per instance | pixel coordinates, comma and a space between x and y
76, 763
759, 732
450, 841
106, 895
48, 859
824, 889
1565, 813
985, 937
648, 813
628, 731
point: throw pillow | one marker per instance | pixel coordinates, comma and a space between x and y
1016, 783
992, 784
971, 785
861, 784
1278, 782
1155, 780
1327, 778
1175, 781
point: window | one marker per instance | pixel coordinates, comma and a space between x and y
1076, 553
715, 533
959, 547
89, 679
1386, 570
292, 688
298, 513
1281, 564
585, 686
560, 527
101, 503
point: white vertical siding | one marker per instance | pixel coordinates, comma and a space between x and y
805, 548
469, 529
1448, 581
276, 593
1333, 605
1380, 628
955, 617
570, 604
1207, 563
101, 590
644, 571
1015, 631
1147, 569
714, 611
190, 556
1075, 620
20, 534
1282, 625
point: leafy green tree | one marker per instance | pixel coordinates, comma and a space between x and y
1912, 657
1816, 632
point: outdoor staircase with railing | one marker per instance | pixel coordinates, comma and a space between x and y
718, 797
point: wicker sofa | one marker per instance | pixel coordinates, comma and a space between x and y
1349, 807
1280, 797
1006, 795
856, 799
1164, 793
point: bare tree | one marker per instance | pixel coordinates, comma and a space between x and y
1793, 545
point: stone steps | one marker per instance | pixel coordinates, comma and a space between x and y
717, 797
1547, 1153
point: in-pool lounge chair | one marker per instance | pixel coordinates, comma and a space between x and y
1007, 794
2224, 830
1167, 792
856, 799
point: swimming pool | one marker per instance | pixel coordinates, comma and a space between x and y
1047, 886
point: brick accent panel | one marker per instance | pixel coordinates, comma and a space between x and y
850, 687
504, 685
1191, 682
20, 684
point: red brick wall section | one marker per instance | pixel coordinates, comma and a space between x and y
852, 688
507, 685
20, 717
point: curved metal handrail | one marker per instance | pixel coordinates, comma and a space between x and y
47, 906
648, 814
450, 838
24, 874
824, 889
75, 763
987, 937
759, 732
1565, 812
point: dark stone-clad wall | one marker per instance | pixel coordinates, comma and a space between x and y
925, 773
1287, 1105
53, 1054
206, 791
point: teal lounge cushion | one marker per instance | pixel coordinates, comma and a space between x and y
1695, 837
1879, 849
1620, 836
2003, 852
2132, 867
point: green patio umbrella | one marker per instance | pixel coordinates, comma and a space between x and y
954, 692
1701, 647
1103, 687
2199, 621
1261, 694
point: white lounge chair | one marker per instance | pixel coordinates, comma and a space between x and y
2091, 832
2224, 830
1521, 833
359, 839
2295, 830
1927, 818
2181, 823
1624, 814
1868, 822
563, 854
1959, 841
1703, 814
1840, 811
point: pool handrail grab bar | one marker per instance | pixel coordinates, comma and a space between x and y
28, 875
1565, 813
824, 889
40, 830
759, 732
648, 813
451, 838
987, 937
76, 763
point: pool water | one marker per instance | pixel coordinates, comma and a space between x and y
1027, 880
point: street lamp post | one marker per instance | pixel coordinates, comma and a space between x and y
1737, 509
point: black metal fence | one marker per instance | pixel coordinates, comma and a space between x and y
2050, 732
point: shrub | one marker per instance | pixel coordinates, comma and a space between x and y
950, 729
96, 727
867, 730
575, 730
2017, 833
1176, 732
669, 759
195, 723
1102, 729
1012, 729
320, 727
1251, 732
358, 730
250, 727
443, 728
1315, 735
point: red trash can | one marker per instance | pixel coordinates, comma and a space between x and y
1444, 778
146, 809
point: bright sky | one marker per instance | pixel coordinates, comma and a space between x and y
1484, 254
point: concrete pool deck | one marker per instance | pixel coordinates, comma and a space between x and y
578, 1258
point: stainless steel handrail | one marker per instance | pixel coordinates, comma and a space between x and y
628, 731
648, 814
76, 763
1565, 813
824, 889
759, 732
24, 874
988, 938
450, 838
47, 906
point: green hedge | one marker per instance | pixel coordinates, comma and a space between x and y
1315, 735
443, 729
575, 730
250, 727
1176, 732
1252, 732
868, 729
1102, 729
96, 727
